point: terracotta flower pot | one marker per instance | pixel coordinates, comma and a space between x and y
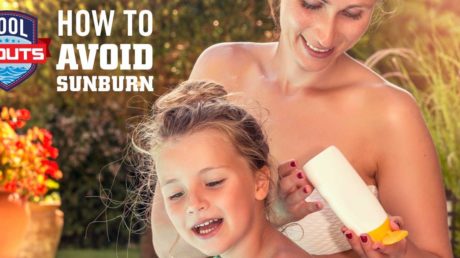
14, 219
44, 231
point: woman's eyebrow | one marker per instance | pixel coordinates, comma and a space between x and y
359, 5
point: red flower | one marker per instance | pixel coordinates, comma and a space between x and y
23, 114
11, 186
54, 173
47, 137
20, 124
13, 124
19, 145
53, 164
52, 152
52, 169
40, 189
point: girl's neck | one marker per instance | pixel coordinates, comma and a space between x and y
253, 243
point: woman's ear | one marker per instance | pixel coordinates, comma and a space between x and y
262, 183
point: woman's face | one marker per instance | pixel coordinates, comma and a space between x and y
316, 32
209, 190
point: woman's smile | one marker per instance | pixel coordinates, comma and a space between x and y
316, 51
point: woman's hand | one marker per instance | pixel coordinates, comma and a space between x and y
293, 189
364, 246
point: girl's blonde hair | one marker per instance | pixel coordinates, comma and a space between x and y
195, 106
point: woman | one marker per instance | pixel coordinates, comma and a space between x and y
318, 96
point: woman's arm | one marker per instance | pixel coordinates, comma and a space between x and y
166, 240
409, 177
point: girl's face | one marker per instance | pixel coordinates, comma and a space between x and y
211, 195
316, 32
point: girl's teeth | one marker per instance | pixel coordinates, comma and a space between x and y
206, 223
206, 227
206, 231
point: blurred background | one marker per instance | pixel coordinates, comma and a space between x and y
415, 44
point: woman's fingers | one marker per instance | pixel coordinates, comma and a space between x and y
285, 169
299, 195
362, 244
354, 241
291, 178
396, 223
366, 248
298, 207
305, 208
294, 188
292, 182
369, 248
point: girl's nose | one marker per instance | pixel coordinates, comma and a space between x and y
196, 202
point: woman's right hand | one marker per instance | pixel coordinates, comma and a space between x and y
293, 189
366, 248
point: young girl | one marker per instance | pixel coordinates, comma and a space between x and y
212, 164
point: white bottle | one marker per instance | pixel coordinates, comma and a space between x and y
349, 196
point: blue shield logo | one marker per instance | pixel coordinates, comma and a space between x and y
16, 31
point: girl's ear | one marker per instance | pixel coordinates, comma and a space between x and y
262, 183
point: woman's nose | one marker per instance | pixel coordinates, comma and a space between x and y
325, 32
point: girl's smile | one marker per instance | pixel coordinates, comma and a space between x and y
208, 228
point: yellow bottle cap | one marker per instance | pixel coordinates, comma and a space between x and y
383, 234
394, 237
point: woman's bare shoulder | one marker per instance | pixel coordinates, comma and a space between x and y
390, 106
226, 63
393, 102
377, 92
394, 105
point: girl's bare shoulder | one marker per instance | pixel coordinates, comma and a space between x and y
282, 247
291, 251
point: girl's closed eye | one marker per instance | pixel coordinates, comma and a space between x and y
311, 6
215, 183
175, 196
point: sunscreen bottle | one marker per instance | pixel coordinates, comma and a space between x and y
349, 196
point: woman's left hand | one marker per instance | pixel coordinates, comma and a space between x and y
365, 248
